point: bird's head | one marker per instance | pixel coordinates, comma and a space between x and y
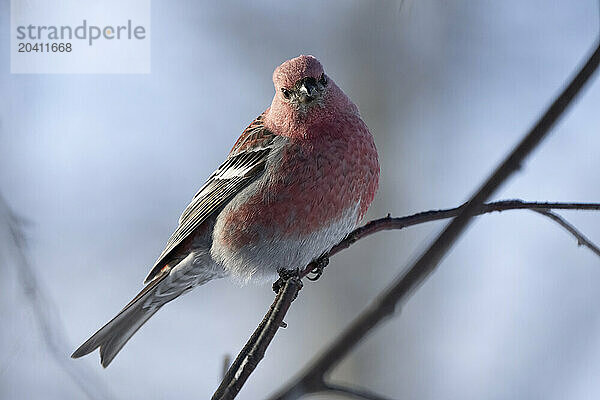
305, 97
301, 83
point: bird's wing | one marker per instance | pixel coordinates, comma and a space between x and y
245, 162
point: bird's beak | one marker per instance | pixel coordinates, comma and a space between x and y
308, 92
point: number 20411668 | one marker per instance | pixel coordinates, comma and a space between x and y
44, 47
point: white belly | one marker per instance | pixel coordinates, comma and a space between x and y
260, 261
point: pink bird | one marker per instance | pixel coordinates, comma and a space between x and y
296, 182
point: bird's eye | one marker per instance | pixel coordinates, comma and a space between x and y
286, 93
323, 79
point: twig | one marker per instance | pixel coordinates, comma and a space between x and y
390, 223
581, 239
404, 285
254, 350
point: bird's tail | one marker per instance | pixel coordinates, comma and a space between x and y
167, 285
112, 337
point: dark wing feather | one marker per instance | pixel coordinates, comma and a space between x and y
244, 164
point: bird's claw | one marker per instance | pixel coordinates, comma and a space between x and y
319, 265
285, 275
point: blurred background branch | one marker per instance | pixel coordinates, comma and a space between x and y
46, 314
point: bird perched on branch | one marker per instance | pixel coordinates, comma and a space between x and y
296, 182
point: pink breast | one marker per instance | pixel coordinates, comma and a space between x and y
317, 180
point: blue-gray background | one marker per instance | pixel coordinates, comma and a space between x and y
102, 165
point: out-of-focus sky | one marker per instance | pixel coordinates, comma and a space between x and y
102, 166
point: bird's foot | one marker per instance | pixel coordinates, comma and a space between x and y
318, 266
284, 276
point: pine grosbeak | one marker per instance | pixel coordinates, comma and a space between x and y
296, 182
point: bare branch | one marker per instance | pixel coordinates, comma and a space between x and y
581, 239
390, 223
254, 350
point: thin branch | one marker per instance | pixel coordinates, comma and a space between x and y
254, 350
405, 284
390, 223
582, 240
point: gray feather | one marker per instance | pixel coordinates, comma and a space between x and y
195, 269
112, 337
239, 170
